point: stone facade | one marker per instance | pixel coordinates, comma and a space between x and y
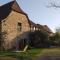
11, 27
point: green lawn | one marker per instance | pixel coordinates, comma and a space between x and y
24, 55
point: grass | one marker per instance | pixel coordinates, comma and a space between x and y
29, 54
23, 55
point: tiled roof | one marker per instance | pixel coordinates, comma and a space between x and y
32, 23
7, 8
47, 28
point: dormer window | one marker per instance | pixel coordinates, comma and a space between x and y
4, 22
19, 26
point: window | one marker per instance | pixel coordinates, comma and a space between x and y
34, 28
4, 22
19, 26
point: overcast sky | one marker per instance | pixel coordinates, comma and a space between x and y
38, 12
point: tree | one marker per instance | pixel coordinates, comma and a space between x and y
55, 39
58, 29
54, 3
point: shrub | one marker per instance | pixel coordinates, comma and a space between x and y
39, 39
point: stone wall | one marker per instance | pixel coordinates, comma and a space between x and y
10, 27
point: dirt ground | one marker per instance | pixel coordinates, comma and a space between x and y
49, 54
7, 58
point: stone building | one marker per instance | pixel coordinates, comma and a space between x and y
14, 26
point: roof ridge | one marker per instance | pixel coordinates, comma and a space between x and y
14, 6
7, 3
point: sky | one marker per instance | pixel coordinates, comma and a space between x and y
38, 12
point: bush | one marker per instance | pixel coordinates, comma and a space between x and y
39, 39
